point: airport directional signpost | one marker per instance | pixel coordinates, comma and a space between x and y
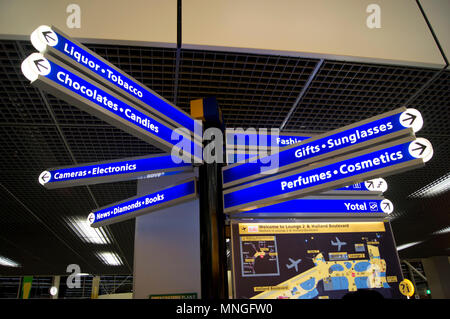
110, 171
379, 129
327, 206
331, 174
50, 40
389, 158
139, 205
76, 89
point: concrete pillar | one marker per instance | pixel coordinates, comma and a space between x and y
55, 283
95, 287
167, 245
437, 271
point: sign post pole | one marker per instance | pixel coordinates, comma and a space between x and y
212, 223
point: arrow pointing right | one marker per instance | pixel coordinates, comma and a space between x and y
411, 118
421, 147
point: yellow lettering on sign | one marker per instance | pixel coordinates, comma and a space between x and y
305, 228
391, 279
353, 256
257, 238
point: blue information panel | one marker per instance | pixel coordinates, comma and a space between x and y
75, 88
383, 160
139, 205
360, 135
45, 39
313, 206
111, 171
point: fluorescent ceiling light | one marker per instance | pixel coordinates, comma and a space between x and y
8, 262
110, 259
439, 186
87, 233
401, 247
442, 231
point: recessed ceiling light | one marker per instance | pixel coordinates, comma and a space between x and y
439, 186
8, 262
110, 259
87, 233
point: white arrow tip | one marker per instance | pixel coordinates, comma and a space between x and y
44, 177
421, 148
43, 36
412, 118
91, 218
30, 68
387, 206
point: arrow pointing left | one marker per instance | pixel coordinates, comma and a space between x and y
39, 65
47, 36
44, 177
91, 218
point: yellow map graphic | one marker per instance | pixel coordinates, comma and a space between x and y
349, 275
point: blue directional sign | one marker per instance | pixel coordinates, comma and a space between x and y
395, 124
237, 138
139, 205
323, 206
77, 90
110, 171
56, 43
387, 159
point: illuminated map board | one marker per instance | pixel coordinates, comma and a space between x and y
290, 260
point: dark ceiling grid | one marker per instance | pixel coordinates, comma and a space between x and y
45, 234
346, 92
19, 102
32, 148
252, 90
434, 104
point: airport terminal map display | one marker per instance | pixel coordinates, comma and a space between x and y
287, 260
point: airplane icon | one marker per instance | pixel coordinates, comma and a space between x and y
294, 263
338, 243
